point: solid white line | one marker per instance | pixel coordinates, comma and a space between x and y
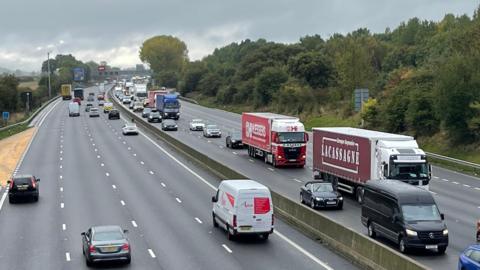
150, 172
151, 253
163, 184
134, 224
306, 253
226, 248
114, 187
64, 227
122, 202
178, 200
62, 205
3, 198
198, 220
67, 256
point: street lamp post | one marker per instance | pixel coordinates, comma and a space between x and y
49, 86
27, 105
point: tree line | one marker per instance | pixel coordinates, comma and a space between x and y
423, 76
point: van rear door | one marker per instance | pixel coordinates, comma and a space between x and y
254, 212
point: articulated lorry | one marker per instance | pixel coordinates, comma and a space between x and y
66, 91
280, 140
150, 101
168, 106
349, 157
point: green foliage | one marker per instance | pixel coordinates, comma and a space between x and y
267, 83
312, 67
164, 53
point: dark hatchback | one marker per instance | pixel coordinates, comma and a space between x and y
234, 140
146, 112
169, 124
106, 244
114, 114
23, 187
320, 194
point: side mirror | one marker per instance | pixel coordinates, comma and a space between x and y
442, 216
125, 231
214, 200
395, 218
8, 182
82, 234
307, 138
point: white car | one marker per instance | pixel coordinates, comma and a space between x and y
126, 100
138, 106
197, 124
130, 128
94, 112
212, 131
243, 207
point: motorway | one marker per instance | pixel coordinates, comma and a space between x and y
456, 194
93, 175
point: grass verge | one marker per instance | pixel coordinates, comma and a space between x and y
13, 130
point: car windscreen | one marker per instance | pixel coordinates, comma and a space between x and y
147, 110
108, 236
154, 114
420, 212
169, 122
22, 181
322, 187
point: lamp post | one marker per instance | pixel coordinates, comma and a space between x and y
27, 105
49, 86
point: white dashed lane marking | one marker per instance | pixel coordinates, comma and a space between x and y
446, 180
151, 172
67, 256
122, 202
227, 248
151, 253
456, 183
62, 205
178, 200
198, 220
64, 227
163, 184
465, 185
141, 162
114, 187
271, 169
107, 174
134, 224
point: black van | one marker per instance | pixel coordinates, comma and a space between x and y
404, 214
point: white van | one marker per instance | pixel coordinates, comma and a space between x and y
243, 207
73, 109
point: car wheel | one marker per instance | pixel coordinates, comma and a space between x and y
340, 206
230, 236
371, 230
88, 262
441, 250
402, 246
312, 203
35, 198
11, 200
265, 236
214, 221
128, 261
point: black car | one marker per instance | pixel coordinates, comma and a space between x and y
320, 194
23, 187
113, 114
105, 243
234, 140
404, 214
146, 112
154, 117
169, 124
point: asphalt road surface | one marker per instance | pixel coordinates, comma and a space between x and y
457, 195
93, 175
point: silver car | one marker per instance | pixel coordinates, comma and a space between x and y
130, 128
197, 124
212, 131
94, 112
106, 243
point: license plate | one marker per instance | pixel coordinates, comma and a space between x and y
245, 228
292, 160
22, 187
110, 249
331, 203
431, 246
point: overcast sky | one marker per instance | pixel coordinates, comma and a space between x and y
113, 30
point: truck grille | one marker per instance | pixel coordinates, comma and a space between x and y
291, 152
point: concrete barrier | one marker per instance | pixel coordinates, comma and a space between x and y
355, 246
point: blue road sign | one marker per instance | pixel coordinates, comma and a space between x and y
5, 116
360, 96
78, 74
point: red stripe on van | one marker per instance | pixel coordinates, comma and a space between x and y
261, 205
230, 198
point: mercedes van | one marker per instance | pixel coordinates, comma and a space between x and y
243, 207
73, 109
404, 214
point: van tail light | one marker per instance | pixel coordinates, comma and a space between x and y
234, 223
91, 249
126, 247
11, 183
34, 184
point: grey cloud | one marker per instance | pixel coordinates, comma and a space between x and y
101, 27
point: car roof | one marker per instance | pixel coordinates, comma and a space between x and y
18, 176
244, 184
196, 120
106, 228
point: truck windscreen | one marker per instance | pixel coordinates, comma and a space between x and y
291, 137
142, 94
409, 171
172, 105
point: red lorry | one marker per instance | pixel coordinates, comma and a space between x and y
349, 157
280, 140
150, 100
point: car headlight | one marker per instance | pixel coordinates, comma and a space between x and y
233, 141
340, 198
445, 232
318, 199
178, 113
175, 126
410, 232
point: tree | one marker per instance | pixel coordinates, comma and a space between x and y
8, 93
311, 66
267, 83
210, 84
194, 72
164, 53
370, 113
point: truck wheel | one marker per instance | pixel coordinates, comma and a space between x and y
265, 158
359, 195
274, 162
